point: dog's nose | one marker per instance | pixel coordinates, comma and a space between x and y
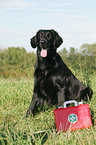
42, 42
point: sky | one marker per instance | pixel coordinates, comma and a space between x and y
74, 20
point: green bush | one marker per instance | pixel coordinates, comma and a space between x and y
16, 63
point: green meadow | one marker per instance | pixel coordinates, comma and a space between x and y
15, 129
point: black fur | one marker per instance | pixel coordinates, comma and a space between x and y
53, 81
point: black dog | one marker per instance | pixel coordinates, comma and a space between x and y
53, 81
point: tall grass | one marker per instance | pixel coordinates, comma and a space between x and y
15, 129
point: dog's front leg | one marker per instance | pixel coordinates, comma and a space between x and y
33, 105
61, 97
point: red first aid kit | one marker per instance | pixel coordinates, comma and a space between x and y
73, 118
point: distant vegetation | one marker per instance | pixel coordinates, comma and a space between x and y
17, 63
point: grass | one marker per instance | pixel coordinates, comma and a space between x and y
15, 96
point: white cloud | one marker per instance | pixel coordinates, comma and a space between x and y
75, 16
3, 29
14, 4
64, 15
1, 12
62, 4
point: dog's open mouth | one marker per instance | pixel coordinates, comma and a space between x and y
43, 52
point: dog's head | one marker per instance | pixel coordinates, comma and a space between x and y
46, 41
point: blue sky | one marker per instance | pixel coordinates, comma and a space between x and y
74, 20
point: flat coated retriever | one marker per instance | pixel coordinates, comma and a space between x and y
53, 81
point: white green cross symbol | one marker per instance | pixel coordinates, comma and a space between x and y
72, 118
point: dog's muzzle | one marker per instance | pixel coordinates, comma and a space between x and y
43, 44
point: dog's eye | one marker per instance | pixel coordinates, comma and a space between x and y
48, 35
41, 35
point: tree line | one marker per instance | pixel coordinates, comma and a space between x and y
15, 62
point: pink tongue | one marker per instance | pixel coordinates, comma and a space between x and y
43, 52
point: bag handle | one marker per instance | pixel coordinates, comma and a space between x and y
69, 102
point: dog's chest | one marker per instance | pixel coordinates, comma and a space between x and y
44, 78
41, 75
44, 83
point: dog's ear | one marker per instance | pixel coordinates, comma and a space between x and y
57, 39
33, 42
